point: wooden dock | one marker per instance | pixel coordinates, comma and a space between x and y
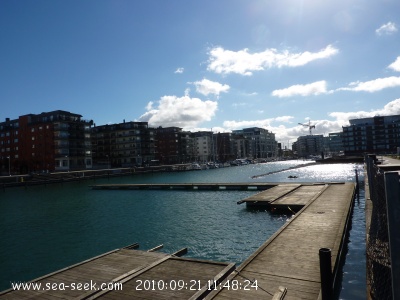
132, 274
290, 258
185, 186
291, 197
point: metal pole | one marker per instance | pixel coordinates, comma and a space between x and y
325, 266
9, 165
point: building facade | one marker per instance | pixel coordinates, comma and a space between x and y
223, 147
126, 144
50, 141
262, 143
203, 141
334, 143
168, 143
187, 146
309, 145
380, 134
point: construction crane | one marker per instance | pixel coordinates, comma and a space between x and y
310, 127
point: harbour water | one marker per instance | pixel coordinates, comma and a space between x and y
45, 228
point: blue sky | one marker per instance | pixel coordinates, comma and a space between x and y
221, 64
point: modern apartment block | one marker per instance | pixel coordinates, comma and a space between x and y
50, 141
262, 143
240, 146
334, 143
380, 134
223, 146
187, 147
204, 147
124, 144
168, 142
309, 145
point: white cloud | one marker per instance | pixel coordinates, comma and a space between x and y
233, 125
242, 62
149, 105
285, 119
386, 29
206, 87
182, 112
392, 108
372, 85
264, 123
315, 88
395, 65
179, 71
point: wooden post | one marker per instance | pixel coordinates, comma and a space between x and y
357, 187
325, 265
370, 170
392, 191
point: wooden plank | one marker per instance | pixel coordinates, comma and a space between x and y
101, 269
194, 273
290, 257
271, 194
301, 196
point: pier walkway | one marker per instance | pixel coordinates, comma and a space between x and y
290, 258
128, 274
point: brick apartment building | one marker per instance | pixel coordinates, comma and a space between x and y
50, 141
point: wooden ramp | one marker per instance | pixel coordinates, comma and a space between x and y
298, 198
270, 195
285, 196
127, 270
290, 258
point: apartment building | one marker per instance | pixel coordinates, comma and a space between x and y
379, 134
124, 144
309, 145
262, 143
50, 141
224, 146
187, 146
204, 148
334, 143
168, 142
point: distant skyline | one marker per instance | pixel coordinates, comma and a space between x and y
225, 65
